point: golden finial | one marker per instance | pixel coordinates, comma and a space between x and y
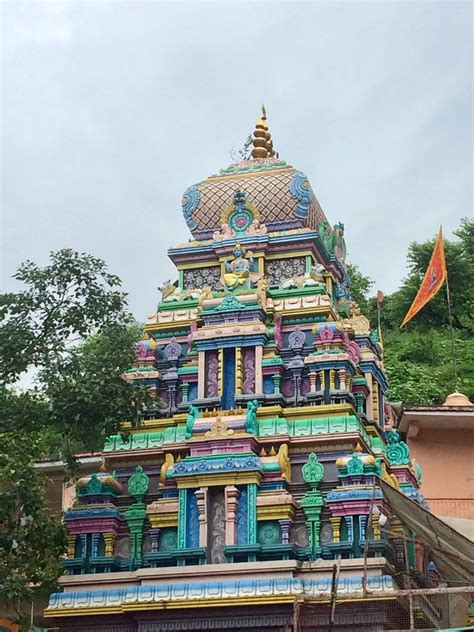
262, 139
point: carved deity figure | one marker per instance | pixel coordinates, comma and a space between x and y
225, 232
238, 270
256, 228
262, 287
251, 416
338, 243
193, 414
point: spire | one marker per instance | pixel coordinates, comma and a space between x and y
262, 139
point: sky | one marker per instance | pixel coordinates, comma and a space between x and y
110, 110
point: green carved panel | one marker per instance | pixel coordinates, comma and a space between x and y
168, 540
269, 533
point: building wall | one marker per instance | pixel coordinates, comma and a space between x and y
446, 457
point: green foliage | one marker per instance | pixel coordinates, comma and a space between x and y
418, 358
32, 541
360, 286
71, 324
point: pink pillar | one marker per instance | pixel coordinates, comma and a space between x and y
201, 496
231, 503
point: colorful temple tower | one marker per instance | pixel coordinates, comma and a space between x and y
259, 470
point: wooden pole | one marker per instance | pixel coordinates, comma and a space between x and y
451, 329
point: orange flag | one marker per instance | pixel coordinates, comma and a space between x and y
433, 280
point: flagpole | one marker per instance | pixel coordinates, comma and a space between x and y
451, 329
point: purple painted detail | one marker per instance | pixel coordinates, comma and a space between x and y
91, 525
297, 339
326, 334
144, 351
173, 350
249, 369
208, 446
189, 339
164, 395
287, 388
277, 334
353, 351
305, 386
212, 374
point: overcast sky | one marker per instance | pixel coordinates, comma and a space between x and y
110, 110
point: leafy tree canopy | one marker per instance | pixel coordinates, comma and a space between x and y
71, 325
418, 358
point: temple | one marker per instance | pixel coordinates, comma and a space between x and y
257, 481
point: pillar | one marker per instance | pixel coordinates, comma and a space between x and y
154, 537
239, 371
285, 531
220, 371
185, 391
109, 541
342, 379
71, 545
201, 497
182, 496
231, 504
276, 383
201, 374
252, 513
336, 528
258, 370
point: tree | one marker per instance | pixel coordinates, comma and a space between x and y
418, 358
360, 286
72, 326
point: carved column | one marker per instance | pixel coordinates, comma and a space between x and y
375, 524
342, 379
71, 545
201, 496
201, 374
154, 537
109, 541
276, 383
312, 381
185, 391
375, 400
258, 369
336, 528
369, 411
239, 371
285, 531
252, 513
182, 497
220, 373
231, 504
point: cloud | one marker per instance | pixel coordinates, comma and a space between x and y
110, 110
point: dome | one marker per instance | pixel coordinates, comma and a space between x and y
457, 399
261, 188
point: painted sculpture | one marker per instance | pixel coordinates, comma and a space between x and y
269, 441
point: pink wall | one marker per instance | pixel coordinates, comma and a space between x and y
447, 460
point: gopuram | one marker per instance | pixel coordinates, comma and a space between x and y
257, 479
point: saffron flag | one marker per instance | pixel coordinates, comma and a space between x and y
434, 278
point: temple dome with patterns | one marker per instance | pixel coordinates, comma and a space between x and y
271, 192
